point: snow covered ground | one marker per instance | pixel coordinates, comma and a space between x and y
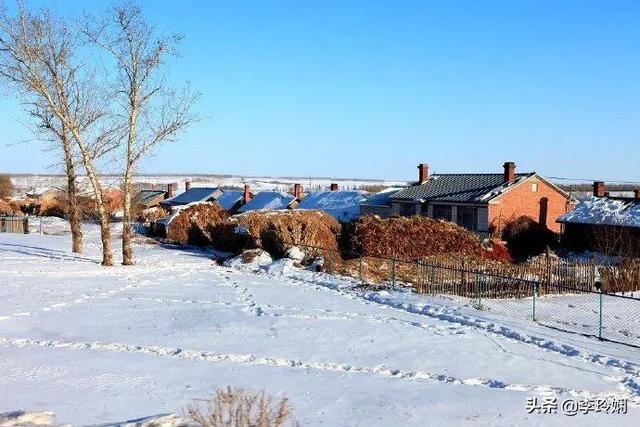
100, 345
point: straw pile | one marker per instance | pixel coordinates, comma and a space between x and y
196, 224
5, 208
412, 238
277, 231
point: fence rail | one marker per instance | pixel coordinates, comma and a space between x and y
558, 294
14, 224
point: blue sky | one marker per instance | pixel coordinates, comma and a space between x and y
371, 88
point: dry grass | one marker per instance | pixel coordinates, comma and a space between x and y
5, 208
196, 224
239, 408
412, 238
277, 231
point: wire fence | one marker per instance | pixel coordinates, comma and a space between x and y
555, 300
14, 224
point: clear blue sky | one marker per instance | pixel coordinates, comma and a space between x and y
371, 88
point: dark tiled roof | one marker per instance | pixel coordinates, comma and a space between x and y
194, 194
469, 188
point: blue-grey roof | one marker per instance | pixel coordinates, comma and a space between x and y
464, 188
229, 198
145, 197
268, 200
192, 195
342, 205
381, 198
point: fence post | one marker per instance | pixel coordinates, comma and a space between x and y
479, 290
360, 269
600, 316
535, 291
393, 274
25, 225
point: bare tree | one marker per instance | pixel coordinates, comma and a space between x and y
152, 112
39, 55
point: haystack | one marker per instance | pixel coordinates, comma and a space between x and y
196, 224
277, 231
412, 238
5, 208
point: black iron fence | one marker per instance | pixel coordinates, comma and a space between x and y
577, 305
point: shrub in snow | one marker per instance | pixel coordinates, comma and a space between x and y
240, 408
277, 231
5, 208
23, 418
525, 237
196, 224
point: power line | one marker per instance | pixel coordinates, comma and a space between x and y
586, 180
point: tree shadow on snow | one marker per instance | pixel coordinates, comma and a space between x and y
43, 252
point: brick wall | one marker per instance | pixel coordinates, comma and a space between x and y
522, 200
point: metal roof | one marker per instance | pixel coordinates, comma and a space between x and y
145, 197
268, 200
194, 194
464, 188
229, 198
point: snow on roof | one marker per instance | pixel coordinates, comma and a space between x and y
342, 205
381, 198
194, 194
268, 200
605, 211
229, 198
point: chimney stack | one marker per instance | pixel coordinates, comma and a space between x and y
334, 186
423, 173
509, 172
598, 189
246, 197
187, 185
297, 191
169, 193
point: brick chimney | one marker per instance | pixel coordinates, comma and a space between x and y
187, 185
509, 172
297, 191
246, 197
636, 194
169, 193
423, 173
598, 189
334, 186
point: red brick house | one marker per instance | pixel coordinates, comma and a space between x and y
483, 202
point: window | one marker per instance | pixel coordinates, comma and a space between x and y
442, 212
534, 187
407, 209
467, 217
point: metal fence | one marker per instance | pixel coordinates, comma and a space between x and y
585, 309
14, 224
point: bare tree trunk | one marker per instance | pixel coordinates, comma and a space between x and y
105, 230
75, 215
127, 232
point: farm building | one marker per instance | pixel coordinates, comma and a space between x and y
148, 198
604, 223
270, 200
343, 205
190, 195
232, 200
379, 203
483, 202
